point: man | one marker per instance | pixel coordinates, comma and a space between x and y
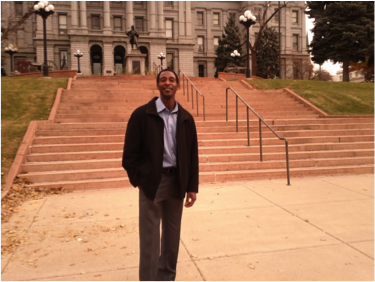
161, 159
133, 34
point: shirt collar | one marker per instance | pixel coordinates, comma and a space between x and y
161, 107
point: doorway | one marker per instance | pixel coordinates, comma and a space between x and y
96, 55
119, 59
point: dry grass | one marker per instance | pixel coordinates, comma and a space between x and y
335, 98
23, 100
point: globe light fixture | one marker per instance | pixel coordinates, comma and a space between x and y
161, 57
247, 20
10, 49
78, 55
44, 10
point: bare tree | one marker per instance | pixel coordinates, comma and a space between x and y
262, 20
11, 24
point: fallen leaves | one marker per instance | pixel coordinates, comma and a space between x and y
20, 193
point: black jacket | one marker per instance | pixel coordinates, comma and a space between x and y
144, 147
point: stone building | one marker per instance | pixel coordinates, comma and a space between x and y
186, 31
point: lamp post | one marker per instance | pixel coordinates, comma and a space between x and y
78, 55
235, 54
247, 20
11, 50
161, 57
44, 10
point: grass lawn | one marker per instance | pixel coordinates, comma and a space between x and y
23, 100
334, 98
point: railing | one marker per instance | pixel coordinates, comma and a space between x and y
260, 129
156, 68
192, 94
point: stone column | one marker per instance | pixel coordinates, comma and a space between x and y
304, 33
107, 21
83, 17
152, 9
161, 16
288, 31
209, 39
129, 15
74, 10
181, 19
188, 18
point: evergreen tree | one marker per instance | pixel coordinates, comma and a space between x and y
343, 31
268, 54
228, 42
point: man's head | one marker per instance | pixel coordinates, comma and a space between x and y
164, 70
168, 83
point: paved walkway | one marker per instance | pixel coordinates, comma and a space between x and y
319, 228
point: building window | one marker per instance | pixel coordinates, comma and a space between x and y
117, 23
139, 23
18, 6
296, 70
168, 3
169, 28
295, 42
95, 22
340, 77
216, 42
170, 61
294, 16
62, 24
201, 70
63, 59
216, 19
232, 15
277, 16
200, 18
200, 44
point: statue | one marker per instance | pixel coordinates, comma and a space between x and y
133, 34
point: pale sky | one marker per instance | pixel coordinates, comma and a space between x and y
332, 68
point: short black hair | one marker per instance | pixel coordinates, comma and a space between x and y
168, 69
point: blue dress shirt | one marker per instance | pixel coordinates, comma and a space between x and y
170, 125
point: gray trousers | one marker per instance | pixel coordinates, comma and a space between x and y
159, 263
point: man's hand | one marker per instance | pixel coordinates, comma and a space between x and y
190, 199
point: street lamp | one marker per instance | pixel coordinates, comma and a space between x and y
247, 20
78, 55
161, 57
11, 50
235, 54
44, 10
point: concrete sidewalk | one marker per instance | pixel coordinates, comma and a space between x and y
319, 228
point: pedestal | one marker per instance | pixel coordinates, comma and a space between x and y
135, 62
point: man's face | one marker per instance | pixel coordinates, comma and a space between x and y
167, 85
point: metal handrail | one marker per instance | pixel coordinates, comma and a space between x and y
192, 96
260, 129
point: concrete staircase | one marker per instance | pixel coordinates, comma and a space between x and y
83, 148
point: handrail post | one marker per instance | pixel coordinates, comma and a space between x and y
260, 140
192, 96
187, 89
204, 109
248, 127
196, 93
287, 161
227, 104
183, 84
236, 113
